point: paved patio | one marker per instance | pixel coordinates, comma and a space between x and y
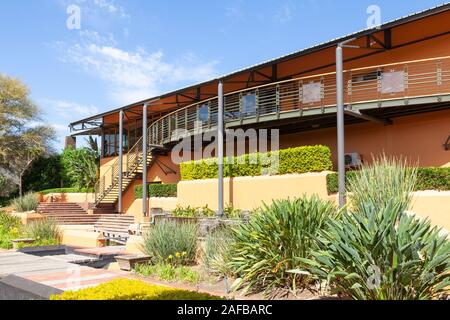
56, 272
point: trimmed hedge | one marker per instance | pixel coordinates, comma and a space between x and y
157, 190
293, 160
126, 289
66, 190
427, 179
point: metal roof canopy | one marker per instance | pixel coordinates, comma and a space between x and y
191, 94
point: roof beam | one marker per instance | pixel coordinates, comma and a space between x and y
359, 115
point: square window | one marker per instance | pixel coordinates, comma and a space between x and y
248, 105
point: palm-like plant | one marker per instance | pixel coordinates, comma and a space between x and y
378, 251
268, 251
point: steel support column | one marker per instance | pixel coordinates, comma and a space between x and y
144, 161
119, 205
340, 125
220, 146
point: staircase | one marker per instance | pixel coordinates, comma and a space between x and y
107, 187
67, 214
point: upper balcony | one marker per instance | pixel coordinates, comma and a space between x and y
406, 84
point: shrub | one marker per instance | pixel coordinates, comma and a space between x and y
294, 160
171, 242
169, 272
157, 190
191, 212
384, 181
45, 230
125, 289
216, 253
427, 179
28, 202
9, 229
273, 244
378, 251
67, 190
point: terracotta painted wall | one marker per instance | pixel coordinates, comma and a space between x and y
420, 138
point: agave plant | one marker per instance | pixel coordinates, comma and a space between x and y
272, 245
378, 251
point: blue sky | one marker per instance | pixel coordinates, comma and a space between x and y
128, 50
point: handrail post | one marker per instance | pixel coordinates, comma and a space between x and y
144, 160
119, 204
220, 127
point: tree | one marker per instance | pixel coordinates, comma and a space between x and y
80, 167
45, 173
22, 138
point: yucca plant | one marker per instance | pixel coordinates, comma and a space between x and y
216, 253
268, 251
28, 202
171, 242
377, 251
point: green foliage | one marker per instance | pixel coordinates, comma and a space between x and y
80, 167
157, 190
66, 190
216, 253
294, 160
39, 243
44, 173
385, 181
171, 242
433, 179
9, 229
169, 272
274, 243
28, 202
377, 251
190, 212
43, 230
125, 289
427, 179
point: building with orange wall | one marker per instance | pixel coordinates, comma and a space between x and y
397, 93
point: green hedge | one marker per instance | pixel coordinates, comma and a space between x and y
294, 160
427, 179
157, 191
66, 190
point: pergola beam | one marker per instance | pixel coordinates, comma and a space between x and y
358, 114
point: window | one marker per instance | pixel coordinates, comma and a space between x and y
364, 77
203, 114
248, 105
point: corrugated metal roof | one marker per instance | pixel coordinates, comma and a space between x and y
414, 16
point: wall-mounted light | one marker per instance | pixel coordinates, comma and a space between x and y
447, 144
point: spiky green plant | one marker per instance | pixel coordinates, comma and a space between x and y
378, 251
272, 245
216, 253
28, 202
386, 180
171, 242
44, 230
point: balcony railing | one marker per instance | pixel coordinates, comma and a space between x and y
419, 78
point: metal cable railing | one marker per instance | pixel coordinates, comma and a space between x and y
378, 83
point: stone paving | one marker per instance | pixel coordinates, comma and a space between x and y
54, 271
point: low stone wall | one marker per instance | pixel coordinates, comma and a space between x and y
247, 193
69, 197
166, 204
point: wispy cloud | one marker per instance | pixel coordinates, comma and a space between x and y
284, 13
68, 109
136, 74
